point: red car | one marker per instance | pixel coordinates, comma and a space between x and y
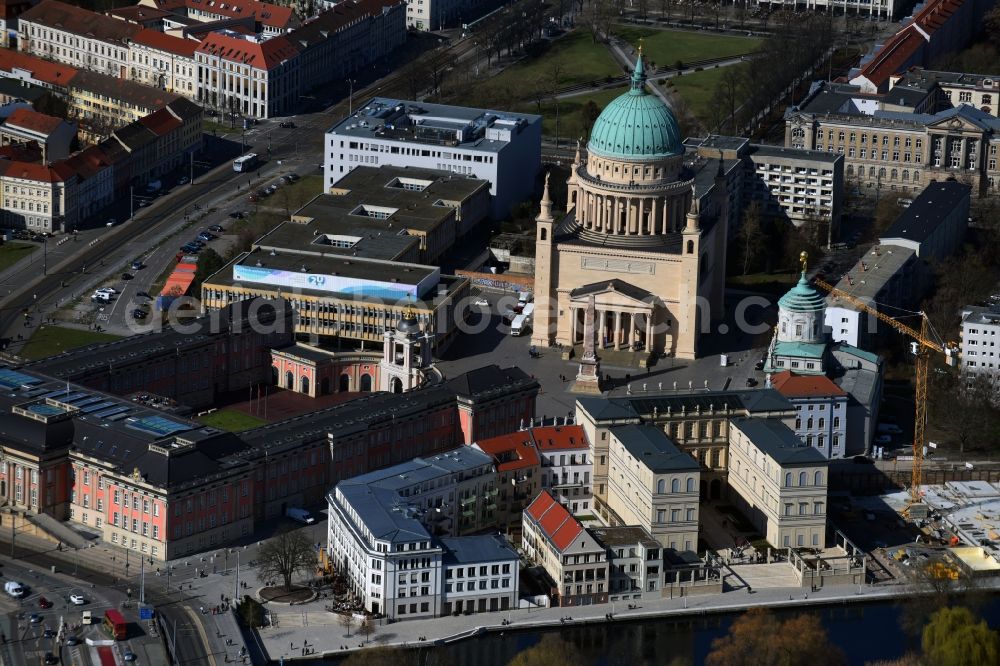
44, 603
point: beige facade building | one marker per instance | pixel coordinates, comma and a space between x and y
779, 483
652, 484
644, 234
573, 558
902, 139
165, 62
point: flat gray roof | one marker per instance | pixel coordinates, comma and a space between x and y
446, 185
923, 217
375, 239
653, 448
778, 441
627, 535
476, 549
761, 150
867, 280
422, 123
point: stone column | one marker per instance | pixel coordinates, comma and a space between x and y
630, 331
572, 325
665, 216
649, 331
604, 328
618, 330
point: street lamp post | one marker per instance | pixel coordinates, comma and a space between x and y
350, 97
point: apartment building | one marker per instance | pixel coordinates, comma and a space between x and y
271, 20
432, 15
882, 10
96, 188
481, 574
77, 37
652, 484
500, 147
635, 562
165, 62
247, 75
980, 333
38, 197
518, 476
566, 466
102, 104
779, 483
381, 527
821, 421
53, 135
10, 10
576, 562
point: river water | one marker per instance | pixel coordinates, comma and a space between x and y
865, 632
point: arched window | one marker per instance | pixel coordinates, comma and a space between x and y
289, 380
906, 175
675, 486
661, 486
345, 382
802, 478
916, 176
894, 174
850, 169
690, 247
690, 485
304, 384
366, 383
788, 479
809, 423
798, 422
818, 478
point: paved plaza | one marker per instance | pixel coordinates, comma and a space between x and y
491, 343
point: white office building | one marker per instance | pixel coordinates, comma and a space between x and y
383, 530
501, 147
981, 341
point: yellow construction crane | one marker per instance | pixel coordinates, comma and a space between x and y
921, 346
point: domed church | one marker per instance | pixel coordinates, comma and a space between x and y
644, 236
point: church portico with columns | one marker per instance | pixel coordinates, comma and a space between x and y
644, 235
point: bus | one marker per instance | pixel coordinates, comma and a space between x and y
114, 624
245, 163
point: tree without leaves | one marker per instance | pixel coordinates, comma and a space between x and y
367, 627
757, 638
751, 236
346, 621
286, 555
953, 637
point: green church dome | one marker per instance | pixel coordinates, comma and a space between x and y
803, 297
636, 125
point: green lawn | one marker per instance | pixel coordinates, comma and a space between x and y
571, 119
572, 59
666, 47
51, 340
231, 420
697, 89
11, 253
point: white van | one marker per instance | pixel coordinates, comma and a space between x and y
14, 589
300, 515
518, 325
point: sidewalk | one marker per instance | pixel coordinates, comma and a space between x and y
327, 638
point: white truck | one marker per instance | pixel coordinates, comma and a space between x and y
518, 325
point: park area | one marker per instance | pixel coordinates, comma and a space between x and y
51, 340
231, 420
665, 48
11, 253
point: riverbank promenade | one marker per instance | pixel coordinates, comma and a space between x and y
321, 633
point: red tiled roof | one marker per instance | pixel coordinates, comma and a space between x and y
70, 18
169, 43
49, 72
266, 14
900, 48
34, 121
266, 55
554, 520
511, 451
88, 162
805, 386
560, 437
161, 122
55, 173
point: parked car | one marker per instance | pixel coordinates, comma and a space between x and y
72, 640
890, 429
217, 228
482, 303
128, 655
142, 294
300, 515
127, 276
183, 180
35, 618
137, 265
107, 290
49, 632
44, 603
293, 177
77, 599
14, 589
287, 124
51, 659
111, 222
139, 313
207, 236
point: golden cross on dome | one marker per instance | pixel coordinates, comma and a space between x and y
804, 260
641, 40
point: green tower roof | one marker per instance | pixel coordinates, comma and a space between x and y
636, 125
803, 297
